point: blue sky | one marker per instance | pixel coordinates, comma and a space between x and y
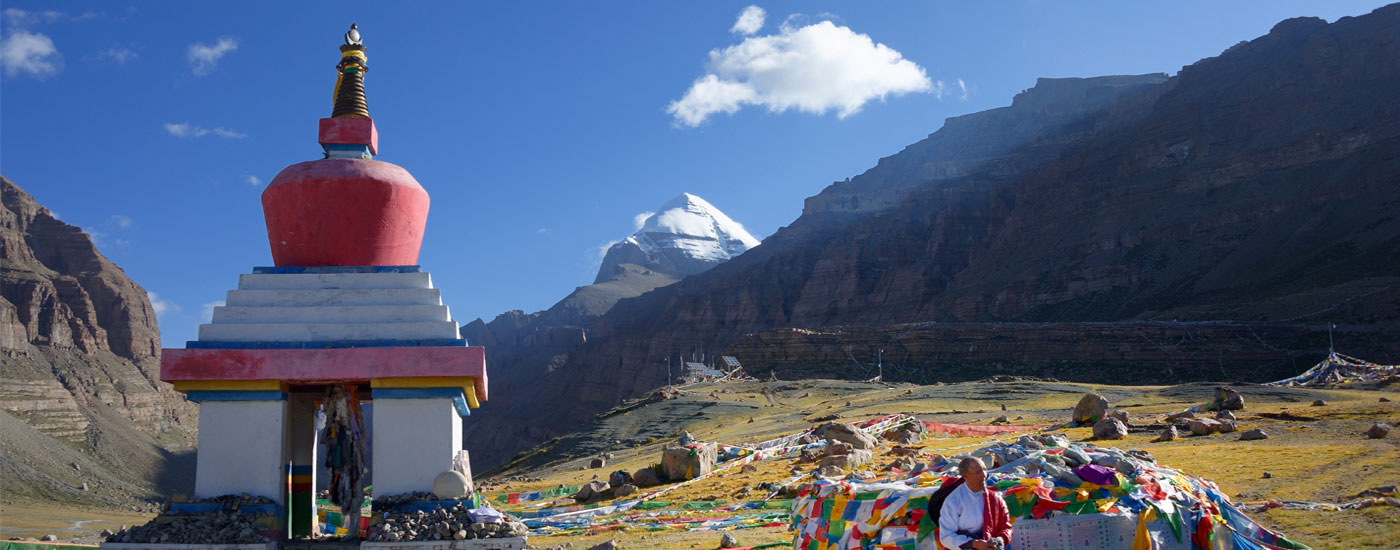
540, 130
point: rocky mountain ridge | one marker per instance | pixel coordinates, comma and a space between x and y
80, 359
1240, 189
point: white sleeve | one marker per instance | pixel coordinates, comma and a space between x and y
948, 520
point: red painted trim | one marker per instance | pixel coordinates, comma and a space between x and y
350, 131
324, 366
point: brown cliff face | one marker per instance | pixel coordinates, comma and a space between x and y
1257, 186
79, 363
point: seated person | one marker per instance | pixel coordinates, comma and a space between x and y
974, 517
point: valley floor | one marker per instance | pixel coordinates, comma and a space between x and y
1314, 453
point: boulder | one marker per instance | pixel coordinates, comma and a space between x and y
1254, 434
845, 433
848, 461
624, 490
728, 541
591, 492
1120, 414
1183, 415
597, 463
1203, 426
1110, 428
1378, 430
748, 469
645, 477
1227, 399
1225, 414
834, 448
1227, 426
908, 437
830, 471
689, 462
1169, 434
605, 545
1319, 403
1091, 408
451, 485
1002, 420
619, 478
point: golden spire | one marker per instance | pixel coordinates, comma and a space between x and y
350, 78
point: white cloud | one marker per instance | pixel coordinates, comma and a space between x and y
21, 18
543, 231
23, 52
814, 69
187, 130
203, 57
252, 180
206, 311
641, 219
749, 21
162, 307
99, 239
120, 221
963, 87
118, 54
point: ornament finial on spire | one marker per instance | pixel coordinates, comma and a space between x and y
350, 78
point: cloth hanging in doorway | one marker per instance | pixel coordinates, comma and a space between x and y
344, 439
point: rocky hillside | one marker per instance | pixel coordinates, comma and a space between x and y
85, 416
1255, 186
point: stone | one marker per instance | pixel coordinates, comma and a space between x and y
830, 471
1319, 403
849, 461
1268, 475
1090, 409
1183, 415
619, 478
1110, 428
1378, 430
682, 463
846, 433
908, 437
597, 463
1254, 434
1169, 434
1225, 414
728, 541
1228, 399
591, 491
451, 485
624, 490
1384, 400
1002, 419
1203, 426
748, 469
460, 535
645, 477
1119, 414
1227, 426
605, 545
49, 538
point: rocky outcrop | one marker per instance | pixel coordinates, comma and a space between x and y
80, 359
1256, 186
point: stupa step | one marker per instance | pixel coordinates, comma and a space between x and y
334, 297
321, 332
330, 314
324, 281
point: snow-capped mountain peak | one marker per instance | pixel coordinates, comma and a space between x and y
686, 235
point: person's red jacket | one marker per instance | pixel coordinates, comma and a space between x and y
996, 519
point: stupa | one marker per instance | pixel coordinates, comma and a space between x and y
343, 318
